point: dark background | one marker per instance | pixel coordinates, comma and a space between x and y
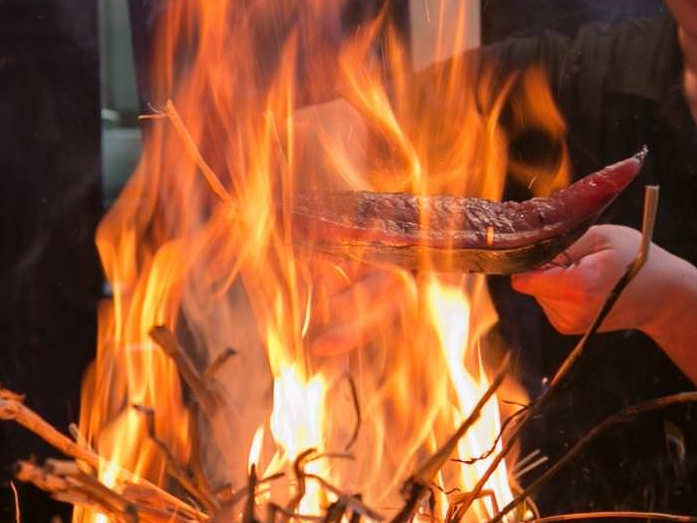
49, 207
507, 18
51, 199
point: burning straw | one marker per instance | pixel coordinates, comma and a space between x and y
137, 500
74, 481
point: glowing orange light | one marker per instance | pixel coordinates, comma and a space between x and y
201, 241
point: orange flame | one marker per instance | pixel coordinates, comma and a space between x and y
201, 240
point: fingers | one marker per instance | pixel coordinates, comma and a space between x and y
352, 317
359, 330
572, 296
591, 241
567, 318
555, 283
585, 259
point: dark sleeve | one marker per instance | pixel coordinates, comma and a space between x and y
602, 81
550, 50
584, 73
583, 69
499, 61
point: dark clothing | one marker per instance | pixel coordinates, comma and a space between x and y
522, 18
618, 88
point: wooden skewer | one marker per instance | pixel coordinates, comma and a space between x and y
210, 400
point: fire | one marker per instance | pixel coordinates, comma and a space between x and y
450, 314
267, 101
297, 420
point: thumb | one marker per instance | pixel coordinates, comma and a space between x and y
541, 282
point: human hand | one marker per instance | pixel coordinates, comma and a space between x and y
351, 303
572, 296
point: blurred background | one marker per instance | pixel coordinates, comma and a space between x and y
72, 82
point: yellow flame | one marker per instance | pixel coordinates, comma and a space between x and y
201, 240
296, 422
255, 449
450, 314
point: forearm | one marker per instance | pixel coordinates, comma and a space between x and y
674, 326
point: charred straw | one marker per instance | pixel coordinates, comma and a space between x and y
248, 515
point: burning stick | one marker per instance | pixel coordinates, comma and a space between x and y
350, 501
335, 512
15, 497
425, 474
356, 516
414, 493
248, 516
218, 362
208, 397
459, 498
29, 472
176, 471
295, 515
527, 464
195, 465
230, 498
209, 401
93, 489
490, 451
357, 409
13, 408
271, 510
300, 476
